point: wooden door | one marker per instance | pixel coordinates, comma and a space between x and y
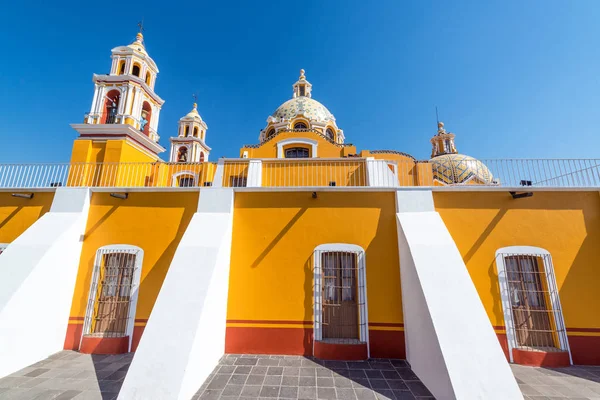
112, 310
531, 314
340, 306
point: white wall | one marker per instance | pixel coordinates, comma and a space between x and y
37, 279
450, 343
185, 334
379, 173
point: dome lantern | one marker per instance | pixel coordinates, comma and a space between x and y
302, 88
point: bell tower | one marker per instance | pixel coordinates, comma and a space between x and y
123, 119
189, 145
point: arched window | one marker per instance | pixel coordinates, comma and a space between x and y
148, 78
145, 120
187, 131
135, 70
271, 132
297, 152
111, 107
195, 131
182, 154
329, 134
300, 125
201, 156
113, 292
122, 68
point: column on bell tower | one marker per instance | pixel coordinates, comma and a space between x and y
190, 143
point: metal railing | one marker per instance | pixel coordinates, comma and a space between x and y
311, 172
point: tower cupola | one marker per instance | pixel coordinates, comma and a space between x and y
190, 145
302, 88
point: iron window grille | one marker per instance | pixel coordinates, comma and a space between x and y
530, 299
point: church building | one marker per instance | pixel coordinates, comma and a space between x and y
301, 244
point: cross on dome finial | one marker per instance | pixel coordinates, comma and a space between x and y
195, 96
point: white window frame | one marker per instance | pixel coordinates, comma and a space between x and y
135, 284
313, 143
504, 293
174, 182
363, 313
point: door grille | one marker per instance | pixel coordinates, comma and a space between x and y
110, 293
537, 322
342, 296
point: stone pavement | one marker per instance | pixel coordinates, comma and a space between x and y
71, 375
68, 375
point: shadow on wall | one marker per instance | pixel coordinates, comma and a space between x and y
567, 224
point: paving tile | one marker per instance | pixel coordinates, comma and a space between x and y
246, 361
345, 394
211, 394
89, 395
342, 382
379, 384
36, 394
243, 369
37, 372
255, 380
232, 390
268, 362
307, 381
258, 370
324, 382
291, 371
219, 381
384, 394
324, 372
364, 394
69, 394
269, 391
288, 392
310, 371
402, 395
397, 384
289, 381
361, 383
251, 391
272, 380
238, 379
374, 374
275, 371
358, 373
291, 362
12, 381
326, 393
307, 392
417, 388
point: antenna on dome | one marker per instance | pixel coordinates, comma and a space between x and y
437, 119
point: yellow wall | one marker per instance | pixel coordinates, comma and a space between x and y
567, 224
325, 149
155, 222
17, 214
274, 235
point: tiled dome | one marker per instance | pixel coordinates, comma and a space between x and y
311, 109
458, 168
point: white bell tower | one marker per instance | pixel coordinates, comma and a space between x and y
125, 104
189, 145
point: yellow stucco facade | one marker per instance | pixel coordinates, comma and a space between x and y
18, 214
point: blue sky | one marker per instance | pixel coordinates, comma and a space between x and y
510, 78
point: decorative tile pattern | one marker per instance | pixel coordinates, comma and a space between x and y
310, 108
458, 168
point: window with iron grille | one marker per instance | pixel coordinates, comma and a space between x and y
113, 291
340, 294
297, 152
530, 300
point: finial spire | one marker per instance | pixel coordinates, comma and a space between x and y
302, 87
195, 96
140, 36
302, 77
